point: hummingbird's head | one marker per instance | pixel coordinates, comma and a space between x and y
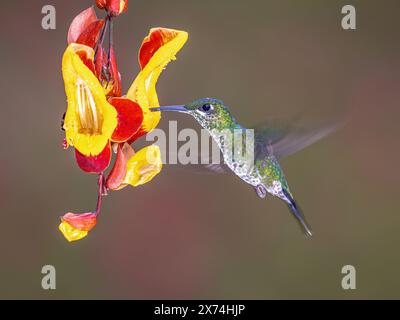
210, 113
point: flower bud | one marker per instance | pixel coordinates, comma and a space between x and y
114, 7
76, 226
101, 4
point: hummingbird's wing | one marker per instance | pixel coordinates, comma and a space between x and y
203, 168
283, 138
204, 165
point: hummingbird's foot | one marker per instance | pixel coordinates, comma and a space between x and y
261, 191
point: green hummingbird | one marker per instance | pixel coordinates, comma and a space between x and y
270, 144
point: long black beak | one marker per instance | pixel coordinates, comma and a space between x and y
179, 108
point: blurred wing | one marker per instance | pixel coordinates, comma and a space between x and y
210, 168
203, 169
285, 138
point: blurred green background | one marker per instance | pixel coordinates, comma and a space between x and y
209, 236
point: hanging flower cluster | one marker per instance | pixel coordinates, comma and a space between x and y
99, 119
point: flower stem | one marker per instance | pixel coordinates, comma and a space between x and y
110, 39
100, 193
102, 36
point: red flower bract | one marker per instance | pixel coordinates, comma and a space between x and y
90, 34
94, 164
80, 23
83, 221
118, 172
130, 118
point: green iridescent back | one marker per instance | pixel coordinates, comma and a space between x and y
270, 171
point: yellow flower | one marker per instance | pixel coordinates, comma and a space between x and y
157, 50
133, 168
90, 119
143, 166
70, 233
77, 226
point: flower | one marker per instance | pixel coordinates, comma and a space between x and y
143, 166
114, 7
157, 50
94, 164
90, 119
133, 168
101, 4
98, 118
76, 226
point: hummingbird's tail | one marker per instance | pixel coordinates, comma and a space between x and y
297, 213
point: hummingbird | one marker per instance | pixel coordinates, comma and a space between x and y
264, 174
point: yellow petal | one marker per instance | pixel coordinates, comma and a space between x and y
90, 120
158, 49
143, 166
70, 233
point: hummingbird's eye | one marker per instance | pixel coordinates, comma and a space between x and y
207, 107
